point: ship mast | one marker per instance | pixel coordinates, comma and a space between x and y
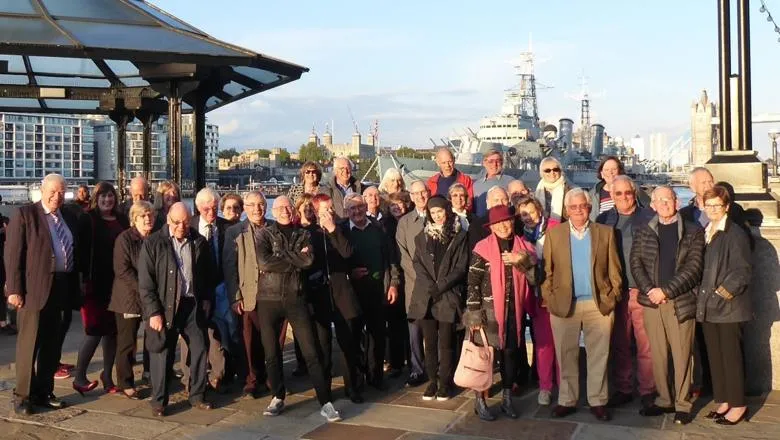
584, 114
523, 98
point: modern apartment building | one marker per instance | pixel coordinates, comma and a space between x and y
34, 145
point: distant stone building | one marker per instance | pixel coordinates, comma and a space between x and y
354, 148
703, 133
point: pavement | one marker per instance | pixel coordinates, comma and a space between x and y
396, 413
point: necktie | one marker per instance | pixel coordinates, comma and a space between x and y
64, 241
212, 239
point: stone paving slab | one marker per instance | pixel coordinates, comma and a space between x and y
182, 413
110, 424
392, 416
606, 432
281, 427
620, 417
423, 436
415, 400
340, 431
113, 404
20, 431
518, 429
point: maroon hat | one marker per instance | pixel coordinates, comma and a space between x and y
498, 214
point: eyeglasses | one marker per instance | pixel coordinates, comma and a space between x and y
713, 205
254, 205
552, 170
664, 200
310, 172
580, 207
419, 193
630, 192
494, 161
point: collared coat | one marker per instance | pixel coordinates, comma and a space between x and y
409, 226
222, 226
332, 189
124, 292
606, 279
240, 265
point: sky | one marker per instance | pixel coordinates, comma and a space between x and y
429, 69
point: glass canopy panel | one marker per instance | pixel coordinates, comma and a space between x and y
165, 18
260, 75
233, 88
71, 104
122, 67
213, 101
145, 38
16, 102
17, 7
72, 82
17, 80
134, 81
95, 9
15, 63
68, 66
31, 31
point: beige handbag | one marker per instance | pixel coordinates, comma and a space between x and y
475, 368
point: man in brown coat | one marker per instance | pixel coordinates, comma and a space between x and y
42, 285
583, 281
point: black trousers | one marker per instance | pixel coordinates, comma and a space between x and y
161, 364
508, 357
371, 296
252, 352
271, 315
724, 352
345, 337
439, 350
126, 342
397, 334
39, 342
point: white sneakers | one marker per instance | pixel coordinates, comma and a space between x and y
545, 397
275, 407
330, 413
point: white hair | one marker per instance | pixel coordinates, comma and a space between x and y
549, 159
493, 189
353, 197
440, 149
420, 182
345, 159
390, 174
256, 194
53, 178
624, 178
696, 171
206, 195
576, 192
653, 197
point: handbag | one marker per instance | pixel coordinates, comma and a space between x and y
475, 367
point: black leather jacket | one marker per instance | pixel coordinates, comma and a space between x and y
281, 262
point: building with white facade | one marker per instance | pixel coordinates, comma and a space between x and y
106, 137
638, 147
34, 145
658, 146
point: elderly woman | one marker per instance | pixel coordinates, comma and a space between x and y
459, 197
392, 182
98, 230
552, 188
398, 204
440, 262
535, 227
310, 176
724, 306
600, 198
231, 207
167, 194
499, 292
125, 301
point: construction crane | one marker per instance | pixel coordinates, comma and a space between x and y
354, 122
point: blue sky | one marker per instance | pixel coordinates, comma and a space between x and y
427, 68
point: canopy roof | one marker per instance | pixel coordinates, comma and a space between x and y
65, 56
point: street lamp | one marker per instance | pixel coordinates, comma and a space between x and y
773, 135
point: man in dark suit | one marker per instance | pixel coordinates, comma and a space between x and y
342, 184
175, 284
42, 285
212, 229
139, 190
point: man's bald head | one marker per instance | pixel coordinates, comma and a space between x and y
497, 196
179, 220
282, 210
139, 188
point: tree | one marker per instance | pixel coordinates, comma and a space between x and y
227, 154
284, 157
263, 153
311, 152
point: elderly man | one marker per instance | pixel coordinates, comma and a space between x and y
627, 217
175, 283
439, 184
139, 190
699, 181
517, 190
411, 224
43, 285
495, 196
239, 262
375, 277
341, 184
493, 161
284, 251
373, 203
583, 282
666, 261
212, 228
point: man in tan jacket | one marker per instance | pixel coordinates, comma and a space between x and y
239, 260
582, 285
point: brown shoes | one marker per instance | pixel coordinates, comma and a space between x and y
601, 413
562, 411
206, 406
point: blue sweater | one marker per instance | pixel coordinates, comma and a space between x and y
580, 267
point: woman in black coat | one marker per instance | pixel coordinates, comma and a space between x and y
441, 261
330, 293
125, 301
724, 305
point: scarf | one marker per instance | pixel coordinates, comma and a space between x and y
556, 190
489, 250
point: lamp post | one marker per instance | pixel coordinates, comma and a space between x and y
773, 135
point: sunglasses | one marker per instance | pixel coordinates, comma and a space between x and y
310, 172
627, 193
552, 170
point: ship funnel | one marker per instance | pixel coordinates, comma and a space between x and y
565, 133
597, 142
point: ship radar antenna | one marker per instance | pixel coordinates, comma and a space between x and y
584, 98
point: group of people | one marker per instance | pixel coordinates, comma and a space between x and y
399, 276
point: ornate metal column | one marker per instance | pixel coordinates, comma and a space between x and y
174, 134
744, 109
199, 141
121, 117
724, 72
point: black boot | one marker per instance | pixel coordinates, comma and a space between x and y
506, 404
481, 408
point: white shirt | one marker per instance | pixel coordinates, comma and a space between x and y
580, 234
352, 225
712, 228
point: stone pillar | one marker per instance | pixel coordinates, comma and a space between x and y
121, 117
